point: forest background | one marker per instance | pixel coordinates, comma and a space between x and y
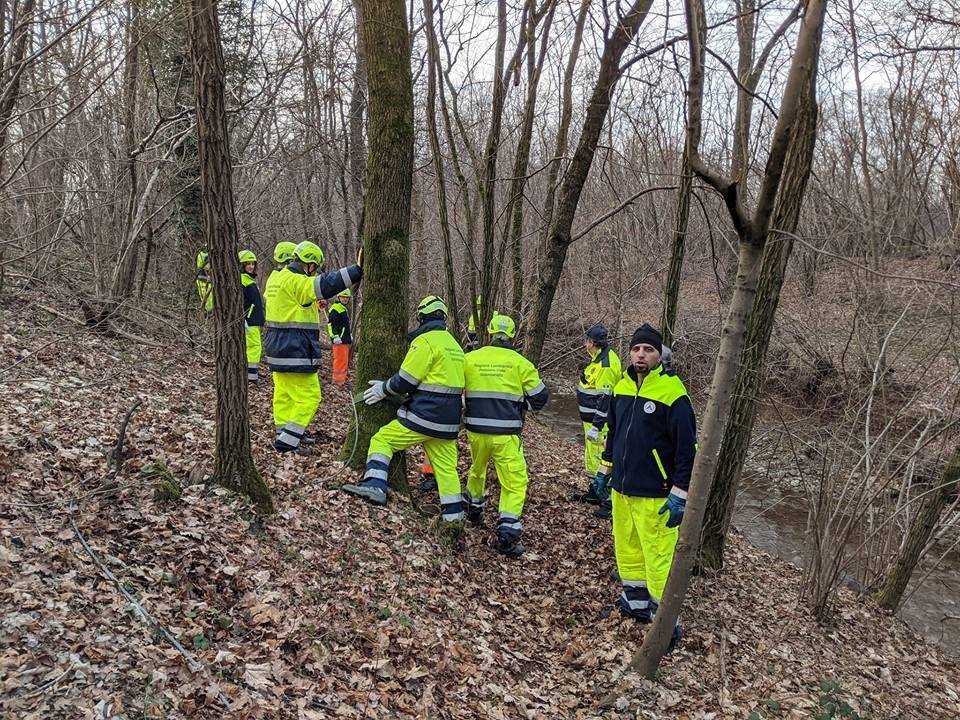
101, 213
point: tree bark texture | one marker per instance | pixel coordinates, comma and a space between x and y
233, 463
386, 228
488, 289
560, 237
358, 106
433, 58
12, 71
922, 526
736, 438
563, 129
130, 236
671, 294
515, 200
753, 232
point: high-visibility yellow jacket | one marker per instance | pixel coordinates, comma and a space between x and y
431, 376
500, 385
204, 281
270, 287
339, 325
652, 437
596, 386
292, 318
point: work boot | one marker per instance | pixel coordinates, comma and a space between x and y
308, 440
509, 547
604, 509
475, 515
428, 483
641, 616
674, 639
370, 493
588, 497
296, 450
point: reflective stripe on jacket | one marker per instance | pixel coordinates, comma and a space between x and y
500, 384
596, 386
652, 437
292, 318
431, 375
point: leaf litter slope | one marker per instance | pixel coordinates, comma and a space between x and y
333, 609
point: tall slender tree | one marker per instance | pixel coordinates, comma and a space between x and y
773, 271
386, 223
560, 236
753, 231
233, 465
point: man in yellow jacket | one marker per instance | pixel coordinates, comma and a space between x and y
204, 281
293, 340
501, 385
647, 462
431, 380
593, 398
283, 254
338, 329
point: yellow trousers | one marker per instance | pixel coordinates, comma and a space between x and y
592, 450
642, 543
206, 294
254, 350
506, 451
442, 454
296, 397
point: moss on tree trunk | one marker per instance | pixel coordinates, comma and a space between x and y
386, 228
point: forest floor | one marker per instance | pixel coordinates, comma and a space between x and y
331, 608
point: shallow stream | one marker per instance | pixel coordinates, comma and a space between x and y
775, 521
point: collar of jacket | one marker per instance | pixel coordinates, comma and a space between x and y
426, 327
652, 375
598, 356
297, 267
507, 343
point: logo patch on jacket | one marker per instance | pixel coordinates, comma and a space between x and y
649, 407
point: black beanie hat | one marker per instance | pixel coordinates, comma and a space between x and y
647, 335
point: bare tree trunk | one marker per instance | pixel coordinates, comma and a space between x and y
488, 183
671, 294
386, 225
513, 232
560, 233
233, 463
753, 232
922, 527
358, 106
126, 268
563, 131
433, 53
736, 438
11, 74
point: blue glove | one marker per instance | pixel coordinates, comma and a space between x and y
675, 505
601, 484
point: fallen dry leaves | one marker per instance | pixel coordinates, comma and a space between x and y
332, 609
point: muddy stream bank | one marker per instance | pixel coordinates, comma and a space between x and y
774, 519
